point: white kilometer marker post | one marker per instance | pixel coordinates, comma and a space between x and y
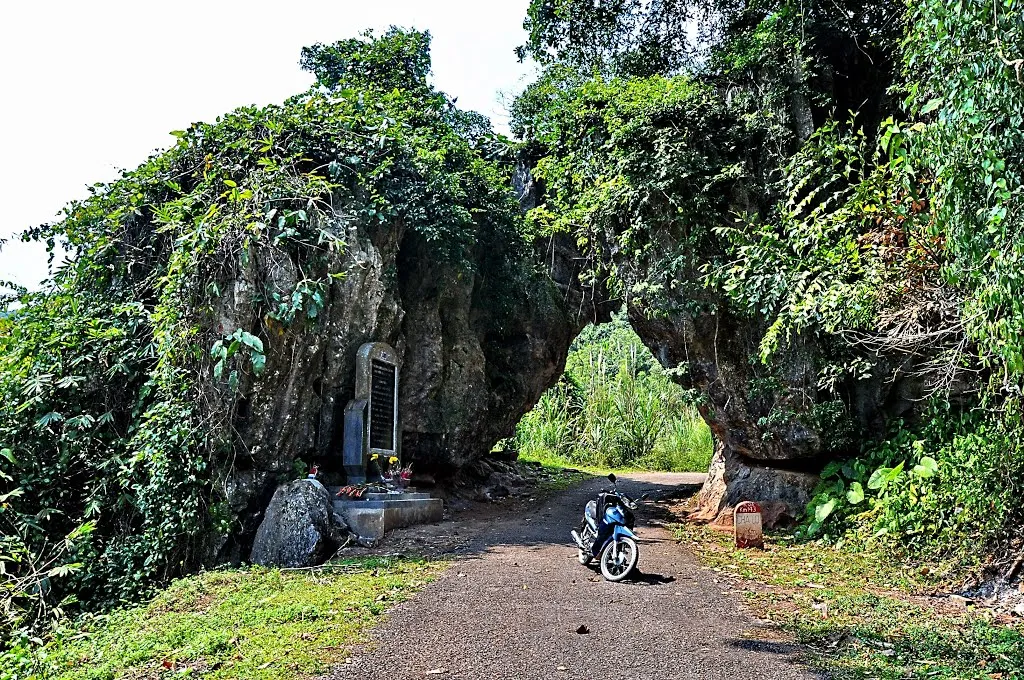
747, 525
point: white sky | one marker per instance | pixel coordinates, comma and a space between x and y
90, 87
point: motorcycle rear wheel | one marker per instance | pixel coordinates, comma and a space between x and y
619, 559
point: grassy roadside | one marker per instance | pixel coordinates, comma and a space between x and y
555, 464
264, 624
861, 616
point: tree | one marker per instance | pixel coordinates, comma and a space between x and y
399, 59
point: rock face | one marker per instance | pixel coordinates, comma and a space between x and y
479, 343
298, 528
751, 447
774, 428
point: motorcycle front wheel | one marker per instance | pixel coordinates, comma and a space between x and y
619, 558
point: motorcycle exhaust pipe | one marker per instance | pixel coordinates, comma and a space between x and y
579, 541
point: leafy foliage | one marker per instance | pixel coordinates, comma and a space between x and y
396, 60
628, 37
923, 490
965, 85
615, 407
647, 166
119, 383
936, 263
635, 160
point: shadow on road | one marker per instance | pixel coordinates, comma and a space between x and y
649, 579
543, 519
787, 649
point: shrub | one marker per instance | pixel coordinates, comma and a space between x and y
926, 489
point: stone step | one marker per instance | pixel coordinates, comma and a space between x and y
371, 519
407, 495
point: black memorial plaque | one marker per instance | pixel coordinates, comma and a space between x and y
383, 377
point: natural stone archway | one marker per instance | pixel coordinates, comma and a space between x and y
774, 427
479, 345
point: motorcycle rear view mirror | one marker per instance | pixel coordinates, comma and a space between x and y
611, 478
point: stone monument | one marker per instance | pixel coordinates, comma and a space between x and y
372, 425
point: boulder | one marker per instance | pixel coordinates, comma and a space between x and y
490, 479
298, 528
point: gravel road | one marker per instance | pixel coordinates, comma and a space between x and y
511, 604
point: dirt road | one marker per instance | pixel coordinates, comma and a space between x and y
511, 605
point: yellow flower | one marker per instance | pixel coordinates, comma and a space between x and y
375, 456
393, 459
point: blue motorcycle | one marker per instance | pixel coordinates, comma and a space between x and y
606, 533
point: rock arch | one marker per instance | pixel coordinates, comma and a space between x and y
474, 364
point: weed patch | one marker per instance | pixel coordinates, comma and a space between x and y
257, 623
863, 617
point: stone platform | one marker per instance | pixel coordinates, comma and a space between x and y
377, 513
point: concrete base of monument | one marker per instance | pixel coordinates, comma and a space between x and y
371, 517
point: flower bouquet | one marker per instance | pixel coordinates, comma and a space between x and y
389, 473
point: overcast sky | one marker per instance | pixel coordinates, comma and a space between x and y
87, 88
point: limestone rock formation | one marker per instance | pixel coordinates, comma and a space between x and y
774, 428
478, 345
298, 528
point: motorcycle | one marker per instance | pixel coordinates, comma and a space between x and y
606, 533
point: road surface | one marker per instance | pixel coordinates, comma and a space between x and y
514, 598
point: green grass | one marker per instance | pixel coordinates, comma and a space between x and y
685, 444
862, 616
690, 453
561, 469
264, 624
615, 409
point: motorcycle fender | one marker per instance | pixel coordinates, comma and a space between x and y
622, 531
604, 535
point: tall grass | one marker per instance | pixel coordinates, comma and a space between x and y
615, 408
